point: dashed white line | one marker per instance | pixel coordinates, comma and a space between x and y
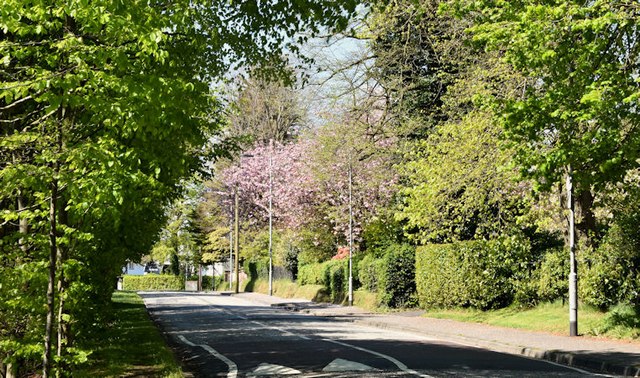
233, 368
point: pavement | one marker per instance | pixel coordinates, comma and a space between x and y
621, 358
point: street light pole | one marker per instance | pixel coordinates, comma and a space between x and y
573, 275
271, 217
230, 253
350, 235
236, 227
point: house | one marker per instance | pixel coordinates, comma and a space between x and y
133, 268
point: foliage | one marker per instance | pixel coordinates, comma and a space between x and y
333, 274
611, 274
313, 274
397, 283
152, 282
578, 106
476, 274
264, 111
552, 275
459, 186
370, 271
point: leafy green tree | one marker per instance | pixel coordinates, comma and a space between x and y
104, 108
460, 186
578, 109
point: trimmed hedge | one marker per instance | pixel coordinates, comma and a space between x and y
391, 277
370, 270
397, 283
332, 274
477, 274
152, 282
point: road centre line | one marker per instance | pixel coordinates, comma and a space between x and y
233, 368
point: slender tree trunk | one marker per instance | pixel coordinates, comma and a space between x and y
63, 326
53, 257
47, 362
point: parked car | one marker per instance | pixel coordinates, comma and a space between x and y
151, 268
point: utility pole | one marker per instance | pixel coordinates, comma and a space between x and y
270, 216
573, 275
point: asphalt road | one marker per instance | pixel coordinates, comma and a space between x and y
227, 336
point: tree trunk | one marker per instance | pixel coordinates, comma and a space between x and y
64, 331
53, 257
586, 226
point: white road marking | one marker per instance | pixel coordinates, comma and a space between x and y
399, 364
345, 365
233, 368
269, 369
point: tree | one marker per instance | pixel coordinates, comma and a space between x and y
460, 186
264, 111
105, 107
577, 111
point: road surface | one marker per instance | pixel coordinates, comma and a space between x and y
231, 336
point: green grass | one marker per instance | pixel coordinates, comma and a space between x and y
621, 322
131, 347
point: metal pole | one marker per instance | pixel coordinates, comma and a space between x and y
350, 236
573, 275
236, 244
271, 217
230, 253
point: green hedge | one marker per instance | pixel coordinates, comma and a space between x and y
370, 270
152, 282
332, 274
312, 274
477, 274
397, 272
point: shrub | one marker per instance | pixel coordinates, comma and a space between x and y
397, 285
611, 274
152, 282
337, 276
369, 272
477, 274
312, 274
553, 275
332, 274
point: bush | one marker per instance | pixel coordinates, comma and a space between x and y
477, 274
369, 272
332, 274
152, 282
611, 274
312, 274
553, 275
337, 277
397, 285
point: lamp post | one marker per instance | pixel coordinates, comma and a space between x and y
573, 274
350, 235
230, 253
270, 216
236, 228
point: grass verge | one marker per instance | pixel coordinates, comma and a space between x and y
316, 293
621, 322
131, 347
